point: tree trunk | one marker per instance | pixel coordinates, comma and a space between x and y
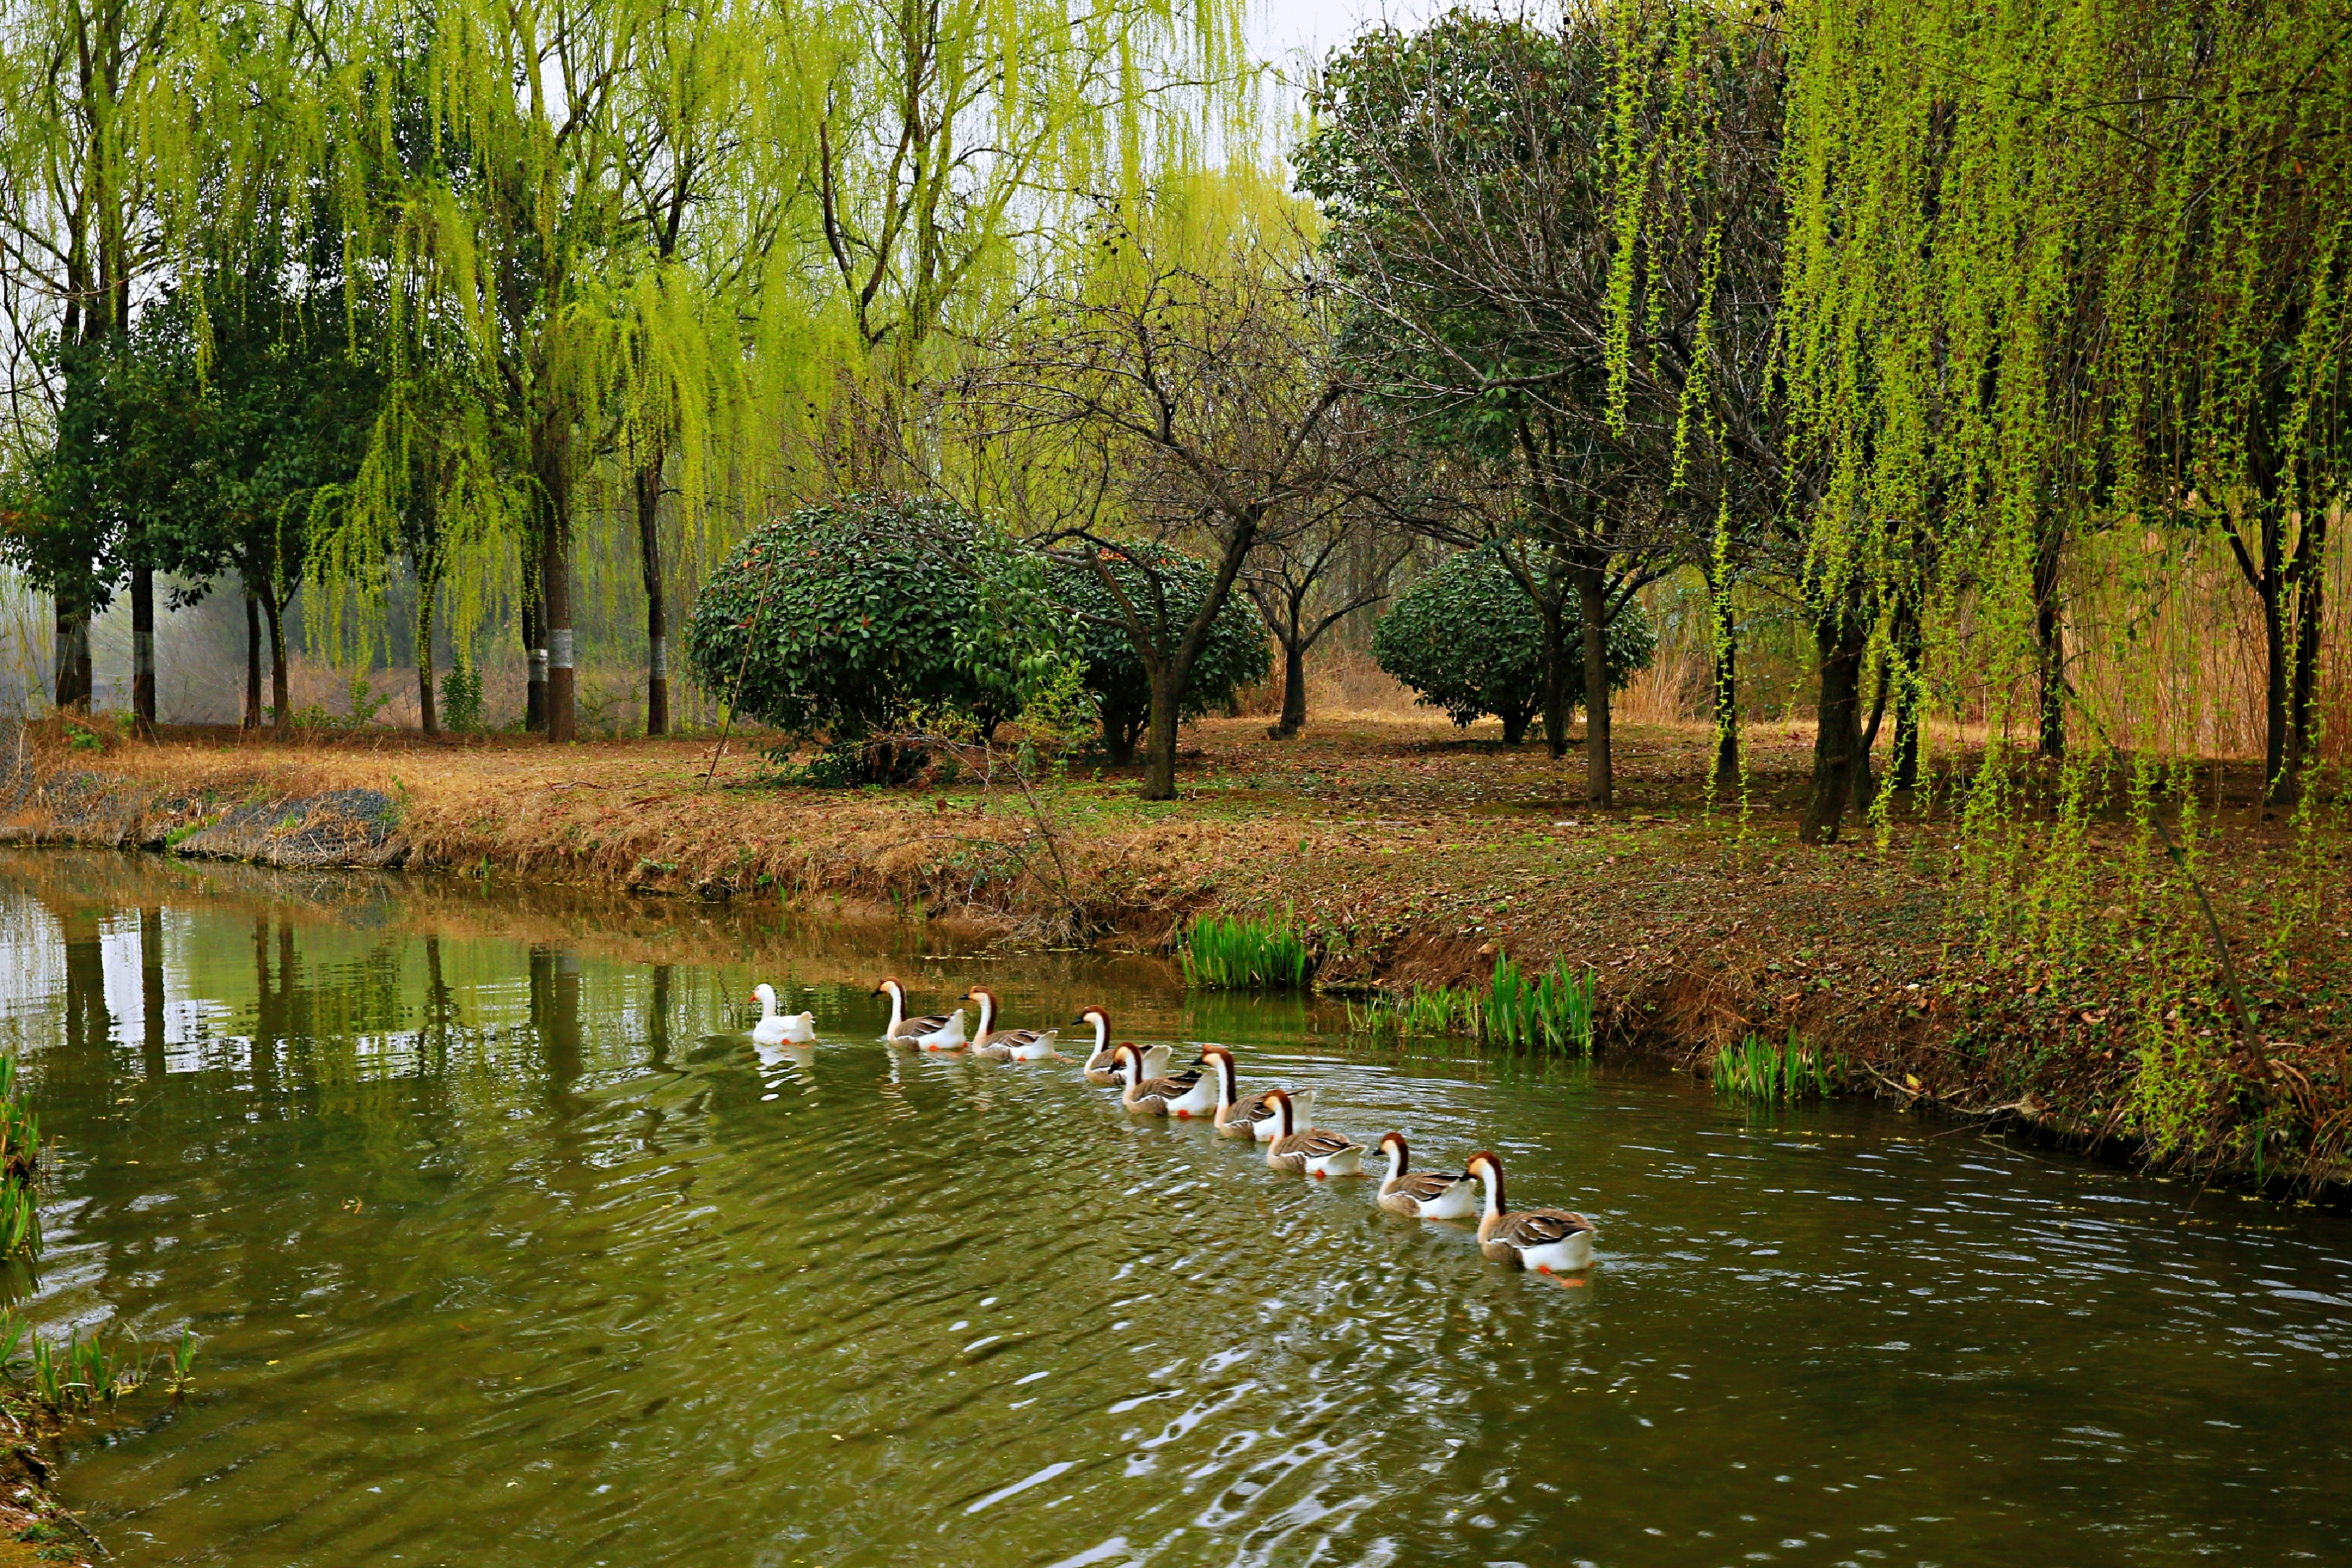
143, 651
1160, 747
252, 661
1294, 687
2310, 620
535, 688
426, 719
2050, 642
1556, 703
2274, 685
281, 716
1593, 605
1726, 699
555, 598
1514, 726
72, 655
657, 604
1839, 643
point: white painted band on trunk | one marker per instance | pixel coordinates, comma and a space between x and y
537, 660
658, 665
559, 648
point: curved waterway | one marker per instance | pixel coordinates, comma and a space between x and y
503, 1247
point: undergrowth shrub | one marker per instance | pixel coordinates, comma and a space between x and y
1237, 654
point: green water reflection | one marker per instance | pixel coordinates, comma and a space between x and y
505, 1248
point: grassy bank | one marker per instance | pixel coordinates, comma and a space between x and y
1409, 857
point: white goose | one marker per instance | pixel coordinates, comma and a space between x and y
902, 1027
1429, 1194
1183, 1094
775, 1030
1313, 1153
1101, 1065
1550, 1241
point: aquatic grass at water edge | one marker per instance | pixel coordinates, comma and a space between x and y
1753, 1067
1518, 1010
1240, 953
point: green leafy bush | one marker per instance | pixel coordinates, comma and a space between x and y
1467, 639
842, 618
1237, 654
461, 696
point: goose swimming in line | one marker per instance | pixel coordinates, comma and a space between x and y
1247, 1116
1429, 1195
774, 1029
1183, 1094
948, 1036
901, 1026
1550, 1241
1007, 1045
1102, 1066
1313, 1153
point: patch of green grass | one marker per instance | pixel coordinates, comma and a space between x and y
1518, 1010
1244, 954
1753, 1067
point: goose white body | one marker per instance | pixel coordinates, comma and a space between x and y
1314, 1153
780, 1028
1268, 1128
1424, 1194
948, 1038
903, 1030
1551, 1241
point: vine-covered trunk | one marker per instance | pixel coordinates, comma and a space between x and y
2310, 619
1294, 686
142, 650
281, 716
648, 483
426, 719
72, 688
1557, 703
2050, 642
1592, 605
2275, 661
534, 680
1160, 747
252, 661
1726, 698
1840, 642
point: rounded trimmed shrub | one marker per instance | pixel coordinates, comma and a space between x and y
1237, 654
1467, 639
853, 612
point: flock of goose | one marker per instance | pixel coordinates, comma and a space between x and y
1553, 1241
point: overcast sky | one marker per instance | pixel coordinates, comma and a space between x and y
1282, 28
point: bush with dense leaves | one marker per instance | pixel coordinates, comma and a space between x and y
1235, 656
856, 613
1467, 639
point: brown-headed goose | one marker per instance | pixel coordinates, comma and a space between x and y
1006, 1045
902, 1027
1246, 1116
1312, 1153
1182, 1094
1551, 1241
1101, 1065
1429, 1195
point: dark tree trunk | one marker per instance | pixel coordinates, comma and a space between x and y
1593, 605
2050, 642
72, 655
2310, 620
142, 650
1160, 746
1726, 699
281, 715
555, 598
426, 719
1840, 642
1515, 726
1557, 702
252, 661
656, 603
1294, 687
534, 690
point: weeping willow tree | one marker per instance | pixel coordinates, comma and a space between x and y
2063, 302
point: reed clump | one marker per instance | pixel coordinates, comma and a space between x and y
20, 1170
1244, 954
1753, 1067
1546, 1010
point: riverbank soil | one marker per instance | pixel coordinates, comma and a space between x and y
1415, 854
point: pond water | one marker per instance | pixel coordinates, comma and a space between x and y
504, 1246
